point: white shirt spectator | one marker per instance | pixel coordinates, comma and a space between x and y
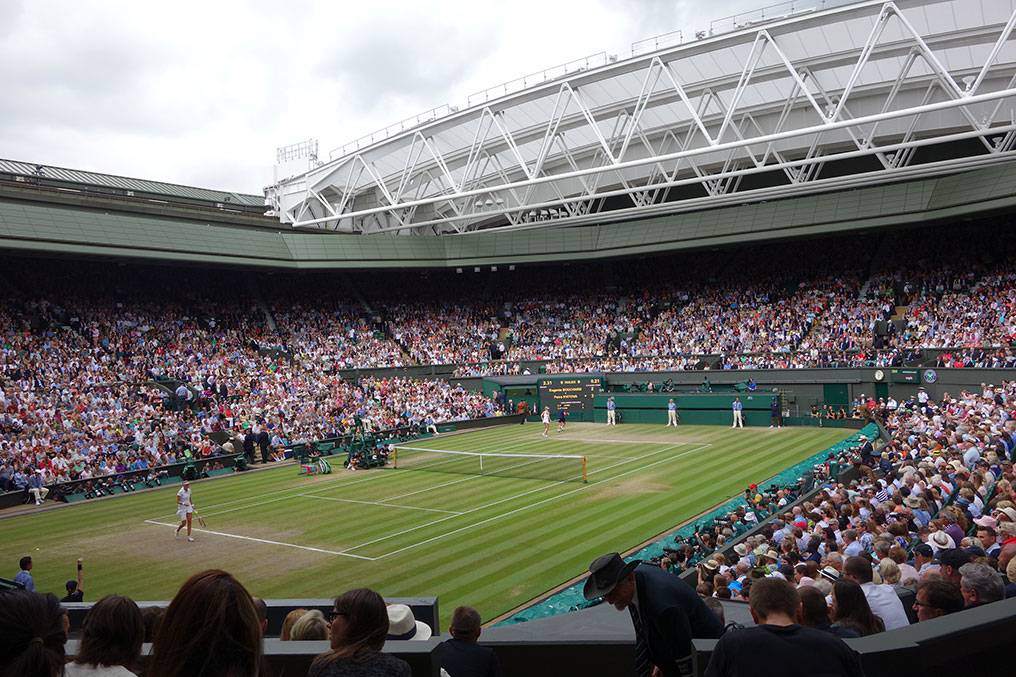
886, 605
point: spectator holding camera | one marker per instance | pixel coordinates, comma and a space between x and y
76, 588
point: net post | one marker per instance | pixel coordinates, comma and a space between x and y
395, 457
584, 478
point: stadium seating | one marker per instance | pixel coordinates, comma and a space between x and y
87, 369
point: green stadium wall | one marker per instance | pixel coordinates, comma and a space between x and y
693, 408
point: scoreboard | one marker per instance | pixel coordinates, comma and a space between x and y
571, 393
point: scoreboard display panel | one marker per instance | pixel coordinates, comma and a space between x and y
571, 393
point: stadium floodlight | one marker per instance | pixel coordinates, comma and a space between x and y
550, 467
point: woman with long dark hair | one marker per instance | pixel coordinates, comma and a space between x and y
850, 609
33, 631
359, 625
210, 630
110, 639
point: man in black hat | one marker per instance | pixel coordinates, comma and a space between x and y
665, 612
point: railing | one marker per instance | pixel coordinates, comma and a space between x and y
539, 77
781, 10
392, 129
657, 42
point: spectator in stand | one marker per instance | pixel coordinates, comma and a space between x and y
460, 656
1010, 574
951, 561
814, 613
882, 599
665, 612
289, 621
152, 618
980, 584
359, 625
210, 629
310, 626
111, 639
851, 610
777, 645
261, 611
76, 588
937, 598
33, 631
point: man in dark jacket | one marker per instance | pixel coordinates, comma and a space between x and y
460, 656
665, 611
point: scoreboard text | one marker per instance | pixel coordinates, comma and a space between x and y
571, 394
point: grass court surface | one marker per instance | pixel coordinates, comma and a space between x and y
490, 542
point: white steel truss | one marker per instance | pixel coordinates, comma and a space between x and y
886, 90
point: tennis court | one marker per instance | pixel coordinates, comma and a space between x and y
493, 540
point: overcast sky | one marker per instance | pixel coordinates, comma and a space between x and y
202, 93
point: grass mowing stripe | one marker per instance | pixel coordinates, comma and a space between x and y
571, 534
491, 567
528, 507
489, 505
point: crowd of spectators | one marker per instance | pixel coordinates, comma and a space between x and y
111, 380
82, 355
932, 512
336, 337
213, 627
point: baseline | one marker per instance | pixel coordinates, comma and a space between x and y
602, 441
266, 541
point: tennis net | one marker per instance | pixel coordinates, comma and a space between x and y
552, 467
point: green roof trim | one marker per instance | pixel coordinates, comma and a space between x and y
42, 227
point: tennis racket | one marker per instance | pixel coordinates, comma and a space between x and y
201, 520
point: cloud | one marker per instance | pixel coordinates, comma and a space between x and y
203, 92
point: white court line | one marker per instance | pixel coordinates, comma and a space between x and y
455, 452
582, 439
533, 505
291, 491
386, 505
265, 540
512, 498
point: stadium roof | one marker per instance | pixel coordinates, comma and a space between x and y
31, 172
767, 109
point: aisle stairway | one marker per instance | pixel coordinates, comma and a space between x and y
255, 292
377, 319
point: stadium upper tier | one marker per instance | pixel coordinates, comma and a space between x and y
109, 186
815, 101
